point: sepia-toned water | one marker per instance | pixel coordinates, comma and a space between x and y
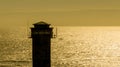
75, 46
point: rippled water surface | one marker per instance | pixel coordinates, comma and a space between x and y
73, 47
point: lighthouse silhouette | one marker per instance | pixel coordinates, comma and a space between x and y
41, 35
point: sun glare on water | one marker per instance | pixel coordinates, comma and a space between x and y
86, 47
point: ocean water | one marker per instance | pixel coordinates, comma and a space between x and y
74, 46
15, 47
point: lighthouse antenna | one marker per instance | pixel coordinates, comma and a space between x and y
56, 32
28, 32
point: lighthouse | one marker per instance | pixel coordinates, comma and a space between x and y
41, 35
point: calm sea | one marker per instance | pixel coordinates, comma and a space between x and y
76, 46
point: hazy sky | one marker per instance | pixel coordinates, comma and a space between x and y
60, 12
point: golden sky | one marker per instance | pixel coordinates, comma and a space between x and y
60, 12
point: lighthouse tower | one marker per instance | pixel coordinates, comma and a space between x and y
41, 35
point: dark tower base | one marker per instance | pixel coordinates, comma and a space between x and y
41, 53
